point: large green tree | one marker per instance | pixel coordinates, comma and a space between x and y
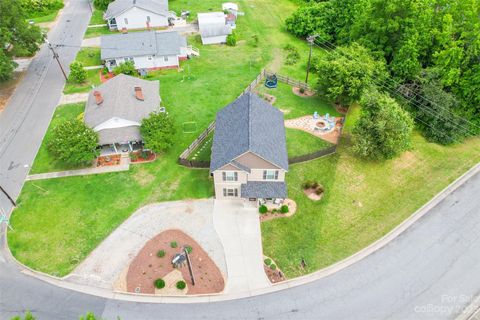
158, 131
73, 142
346, 72
17, 36
383, 130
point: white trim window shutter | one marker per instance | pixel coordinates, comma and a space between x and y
224, 192
264, 174
235, 174
236, 192
224, 176
276, 174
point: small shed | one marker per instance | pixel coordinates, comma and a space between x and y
213, 27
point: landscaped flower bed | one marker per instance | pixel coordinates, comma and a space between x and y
287, 209
274, 274
313, 190
142, 156
112, 160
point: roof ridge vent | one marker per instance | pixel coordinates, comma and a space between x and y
139, 93
98, 97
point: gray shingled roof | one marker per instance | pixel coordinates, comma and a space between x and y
119, 102
215, 30
117, 135
249, 124
262, 189
141, 44
117, 7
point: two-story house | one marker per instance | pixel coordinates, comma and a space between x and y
249, 153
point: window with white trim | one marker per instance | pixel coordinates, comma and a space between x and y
230, 192
148, 18
229, 176
126, 20
165, 58
270, 174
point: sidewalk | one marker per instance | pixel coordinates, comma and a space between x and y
73, 98
123, 166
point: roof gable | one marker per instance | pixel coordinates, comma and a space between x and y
249, 124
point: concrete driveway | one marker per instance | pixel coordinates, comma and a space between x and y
239, 231
105, 265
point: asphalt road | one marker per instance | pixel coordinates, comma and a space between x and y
26, 117
429, 272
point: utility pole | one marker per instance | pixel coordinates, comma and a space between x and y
8, 196
310, 40
55, 56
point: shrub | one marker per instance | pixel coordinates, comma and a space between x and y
284, 209
144, 154
133, 156
307, 184
188, 249
105, 71
274, 210
181, 285
302, 90
319, 191
232, 40
273, 266
77, 73
127, 68
161, 253
292, 56
263, 209
158, 131
173, 244
267, 261
159, 283
315, 185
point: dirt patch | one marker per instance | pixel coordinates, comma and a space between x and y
292, 208
143, 177
312, 195
7, 88
406, 160
147, 266
305, 94
269, 98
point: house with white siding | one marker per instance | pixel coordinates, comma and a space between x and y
137, 14
213, 27
148, 50
249, 152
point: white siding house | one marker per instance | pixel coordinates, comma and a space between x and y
147, 50
213, 27
137, 14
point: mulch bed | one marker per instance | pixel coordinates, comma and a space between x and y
341, 109
312, 195
150, 157
292, 208
306, 93
274, 276
147, 267
105, 77
105, 161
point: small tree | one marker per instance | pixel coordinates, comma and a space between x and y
346, 73
383, 130
73, 142
127, 68
28, 316
7, 65
157, 131
77, 73
232, 39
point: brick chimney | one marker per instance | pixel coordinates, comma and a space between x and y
139, 93
98, 97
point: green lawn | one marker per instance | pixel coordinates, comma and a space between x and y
363, 201
89, 56
45, 16
204, 150
97, 32
300, 143
294, 106
93, 79
44, 162
97, 17
58, 222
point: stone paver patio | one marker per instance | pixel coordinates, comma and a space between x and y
308, 124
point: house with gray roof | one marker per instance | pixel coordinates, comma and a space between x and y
137, 14
249, 152
115, 110
147, 50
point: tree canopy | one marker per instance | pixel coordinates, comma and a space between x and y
77, 73
383, 130
158, 131
73, 142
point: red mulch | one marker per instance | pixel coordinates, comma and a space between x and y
105, 77
147, 267
112, 160
150, 157
271, 216
274, 275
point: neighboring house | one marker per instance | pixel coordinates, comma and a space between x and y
147, 50
213, 27
137, 14
116, 108
249, 153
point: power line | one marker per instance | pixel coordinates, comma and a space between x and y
55, 56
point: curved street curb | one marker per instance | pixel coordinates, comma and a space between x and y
276, 287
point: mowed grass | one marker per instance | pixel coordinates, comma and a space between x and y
44, 161
93, 80
97, 18
288, 102
204, 149
89, 57
58, 222
300, 143
363, 200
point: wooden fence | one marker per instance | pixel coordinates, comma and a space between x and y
313, 155
255, 82
183, 158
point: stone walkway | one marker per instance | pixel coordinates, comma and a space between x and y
93, 67
123, 166
107, 265
73, 98
91, 42
239, 230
